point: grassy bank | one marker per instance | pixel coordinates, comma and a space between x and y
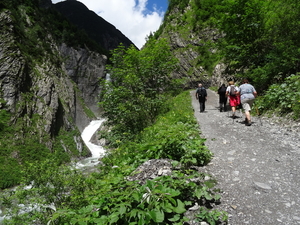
106, 197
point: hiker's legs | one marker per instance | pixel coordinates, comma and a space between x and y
248, 116
233, 108
233, 101
225, 102
202, 106
247, 103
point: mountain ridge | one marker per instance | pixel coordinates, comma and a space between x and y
97, 28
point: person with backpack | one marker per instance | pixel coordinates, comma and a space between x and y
234, 98
201, 95
222, 97
248, 95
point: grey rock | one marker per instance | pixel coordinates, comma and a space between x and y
152, 169
59, 93
262, 185
86, 69
195, 207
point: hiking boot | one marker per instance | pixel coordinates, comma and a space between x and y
248, 123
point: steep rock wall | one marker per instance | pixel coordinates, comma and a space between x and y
62, 96
86, 69
190, 44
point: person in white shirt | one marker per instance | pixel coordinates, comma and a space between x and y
234, 99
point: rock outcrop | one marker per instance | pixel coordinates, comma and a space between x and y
59, 89
191, 45
86, 69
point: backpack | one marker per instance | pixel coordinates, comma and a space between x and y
232, 91
222, 90
201, 92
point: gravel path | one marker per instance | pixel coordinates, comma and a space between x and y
257, 167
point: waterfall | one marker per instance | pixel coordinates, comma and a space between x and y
96, 150
107, 77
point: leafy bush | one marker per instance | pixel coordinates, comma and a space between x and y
136, 93
163, 200
174, 135
67, 196
261, 39
282, 98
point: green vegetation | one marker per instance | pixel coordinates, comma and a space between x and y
22, 137
261, 39
256, 39
282, 98
108, 197
174, 135
21, 145
140, 84
261, 44
140, 105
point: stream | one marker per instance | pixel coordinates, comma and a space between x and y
96, 151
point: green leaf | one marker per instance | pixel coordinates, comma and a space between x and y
180, 207
210, 183
157, 216
175, 218
114, 217
122, 209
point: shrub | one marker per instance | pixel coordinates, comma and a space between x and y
137, 91
282, 98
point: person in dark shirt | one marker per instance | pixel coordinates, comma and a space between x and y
222, 98
201, 95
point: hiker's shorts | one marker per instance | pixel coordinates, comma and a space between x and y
234, 101
247, 104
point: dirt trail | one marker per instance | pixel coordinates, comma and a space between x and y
257, 167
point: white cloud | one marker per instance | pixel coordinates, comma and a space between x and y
131, 17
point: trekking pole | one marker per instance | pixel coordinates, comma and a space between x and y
258, 114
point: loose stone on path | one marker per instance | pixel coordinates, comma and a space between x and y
257, 167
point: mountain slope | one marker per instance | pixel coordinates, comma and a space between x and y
48, 91
190, 26
95, 26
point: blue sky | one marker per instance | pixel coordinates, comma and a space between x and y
159, 4
134, 18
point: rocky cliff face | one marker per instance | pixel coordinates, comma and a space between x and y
191, 45
86, 69
59, 95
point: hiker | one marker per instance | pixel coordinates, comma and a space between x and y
222, 97
248, 95
201, 95
234, 99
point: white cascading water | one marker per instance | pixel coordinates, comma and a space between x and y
96, 151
